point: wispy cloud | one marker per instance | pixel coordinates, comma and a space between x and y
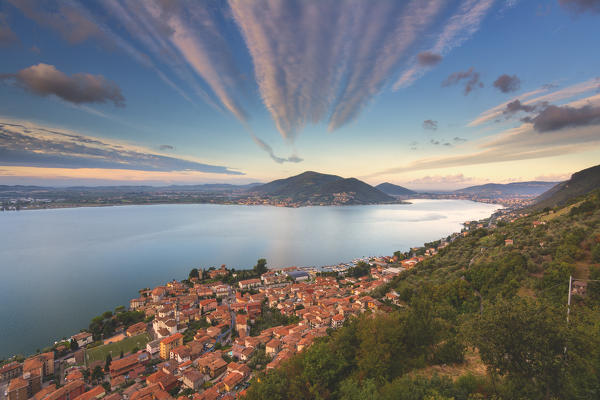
44, 80
536, 97
269, 150
26, 144
460, 27
581, 6
470, 78
430, 124
7, 35
524, 142
313, 58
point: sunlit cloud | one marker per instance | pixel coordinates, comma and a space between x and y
319, 60
536, 97
524, 142
26, 144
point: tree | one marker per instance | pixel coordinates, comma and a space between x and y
97, 374
107, 363
261, 266
194, 274
73, 345
529, 342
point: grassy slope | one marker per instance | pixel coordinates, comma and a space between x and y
126, 345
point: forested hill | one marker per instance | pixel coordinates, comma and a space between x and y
482, 319
322, 187
580, 184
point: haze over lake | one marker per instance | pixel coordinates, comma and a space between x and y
61, 267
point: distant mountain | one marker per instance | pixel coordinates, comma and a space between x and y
515, 189
394, 190
581, 183
317, 187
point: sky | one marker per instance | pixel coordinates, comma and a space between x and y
428, 94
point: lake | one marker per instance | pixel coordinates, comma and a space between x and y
61, 267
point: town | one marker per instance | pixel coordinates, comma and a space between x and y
207, 336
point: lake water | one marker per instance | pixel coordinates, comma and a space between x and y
59, 268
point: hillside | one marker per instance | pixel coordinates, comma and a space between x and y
453, 334
317, 187
394, 190
515, 189
580, 184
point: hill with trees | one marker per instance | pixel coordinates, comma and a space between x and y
317, 187
394, 190
482, 319
514, 189
581, 183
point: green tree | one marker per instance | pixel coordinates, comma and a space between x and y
97, 374
194, 273
107, 363
261, 266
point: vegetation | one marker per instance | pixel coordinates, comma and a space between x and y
103, 326
117, 348
506, 304
269, 318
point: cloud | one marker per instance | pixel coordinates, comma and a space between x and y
430, 124
506, 83
524, 142
7, 36
64, 17
24, 144
459, 140
470, 77
463, 24
516, 106
317, 60
581, 6
537, 97
166, 147
428, 59
556, 117
269, 150
430, 180
44, 80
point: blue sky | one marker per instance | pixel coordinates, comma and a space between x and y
427, 94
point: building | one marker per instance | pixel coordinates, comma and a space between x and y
10, 371
137, 329
193, 379
168, 344
153, 347
124, 365
298, 276
92, 394
83, 338
67, 392
249, 284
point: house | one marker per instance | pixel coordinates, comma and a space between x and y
165, 380
193, 379
93, 394
273, 347
249, 284
337, 320
123, 365
508, 242
67, 392
153, 347
83, 339
168, 344
136, 329
218, 272
10, 370
232, 380
25, 386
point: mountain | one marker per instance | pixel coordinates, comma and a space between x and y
394, 190
515, 189
581, 183
316, 187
